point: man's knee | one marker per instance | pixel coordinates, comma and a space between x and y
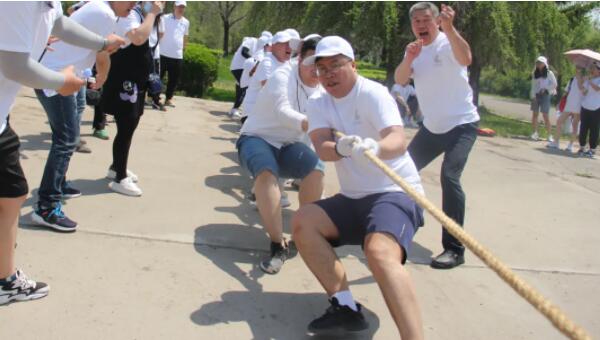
382, 250
266, 177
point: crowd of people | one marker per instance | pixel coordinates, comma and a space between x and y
292, 93
579, 108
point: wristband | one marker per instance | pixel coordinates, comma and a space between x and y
104, 44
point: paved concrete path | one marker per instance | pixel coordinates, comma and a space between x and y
180, 262
515, 108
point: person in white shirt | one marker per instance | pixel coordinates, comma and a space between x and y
437, 61
64, 112
26, 27
543, 87
574, 92
590, 112
249, 66
177, 30
270, 147
157, 34
406, 98
371, 210
280, 55
244, 52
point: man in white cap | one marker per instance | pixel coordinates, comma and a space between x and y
271, 147
280, 55
174, 41
371, 210
437, 61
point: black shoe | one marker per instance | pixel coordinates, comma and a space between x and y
338, 320
279, 254
69, 193
447, 260
54, 218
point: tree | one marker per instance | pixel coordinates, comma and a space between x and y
226, 10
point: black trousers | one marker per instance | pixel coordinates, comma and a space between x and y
240, 93
590, 123
456, 145
99, 118
156, 96
126, 125
173, 68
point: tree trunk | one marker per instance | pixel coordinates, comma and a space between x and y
225, 38
474, 75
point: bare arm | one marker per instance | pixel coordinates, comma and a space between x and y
393, 142
139, 35
185, 41
404, 70
324, 143
102, 68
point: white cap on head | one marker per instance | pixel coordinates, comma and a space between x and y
542, 60
180, 3
262, 42
293, 33
281, 37
329, 47
295, 43
266, 34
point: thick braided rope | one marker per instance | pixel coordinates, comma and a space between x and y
547, 308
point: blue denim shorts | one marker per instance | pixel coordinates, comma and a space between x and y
393, 213
295, 160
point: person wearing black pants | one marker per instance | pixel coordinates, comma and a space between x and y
239, 91
590, 113
173, 67
438, 62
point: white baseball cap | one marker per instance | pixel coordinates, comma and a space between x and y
262, 42
281, 37
330, 46
295, 43
542, 60
292, 32
180, 3
266, 34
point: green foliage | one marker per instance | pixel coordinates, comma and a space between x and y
514, 83
504, 127
200, 69
224, 88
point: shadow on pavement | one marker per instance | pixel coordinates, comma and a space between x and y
557, 152
274, 315
41, 141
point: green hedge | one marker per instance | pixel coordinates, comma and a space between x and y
200, 69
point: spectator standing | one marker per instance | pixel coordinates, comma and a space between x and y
406, 98
574, 92
155, 37
590, 113
172, 45
543, 87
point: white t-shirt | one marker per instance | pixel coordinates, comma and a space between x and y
442, 86
237, 62
175, 30
574, 97
263, 72
248, 66
280, 108
591, 101
365, 111
124, 25
153, 40
25, 28
403, 91
96, 16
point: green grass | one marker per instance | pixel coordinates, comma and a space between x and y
506, 127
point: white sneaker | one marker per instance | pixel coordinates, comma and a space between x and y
236, 115
126, 187
569, 148
552, 145
113, 175
550, 139
535, 136
233, 112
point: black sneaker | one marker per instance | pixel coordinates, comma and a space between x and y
69, 193
22, 288
339, 320
581, 152
447, 260
279, 254
54, 218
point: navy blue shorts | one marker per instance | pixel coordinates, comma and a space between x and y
393, 213
295, 160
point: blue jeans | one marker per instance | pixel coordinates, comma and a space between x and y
64, 116
291, 161
456, 145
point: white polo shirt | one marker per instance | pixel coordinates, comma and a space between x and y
442, 86
591, 101
280, 108
365, 111
263, 72
96, 16
25, 28
175, 30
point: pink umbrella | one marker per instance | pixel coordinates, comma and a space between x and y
582, 58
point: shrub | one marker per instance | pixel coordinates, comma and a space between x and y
200, 69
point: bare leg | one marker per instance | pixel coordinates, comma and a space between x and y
311, 228
534, 121
546, 117
385, 261
311, 188
268, 200
559, 124
9, 217
575, 128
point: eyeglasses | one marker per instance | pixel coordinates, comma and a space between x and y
323, 71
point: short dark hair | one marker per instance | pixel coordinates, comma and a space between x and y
540, 74
309, 45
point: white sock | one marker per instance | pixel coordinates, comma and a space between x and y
345, 299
